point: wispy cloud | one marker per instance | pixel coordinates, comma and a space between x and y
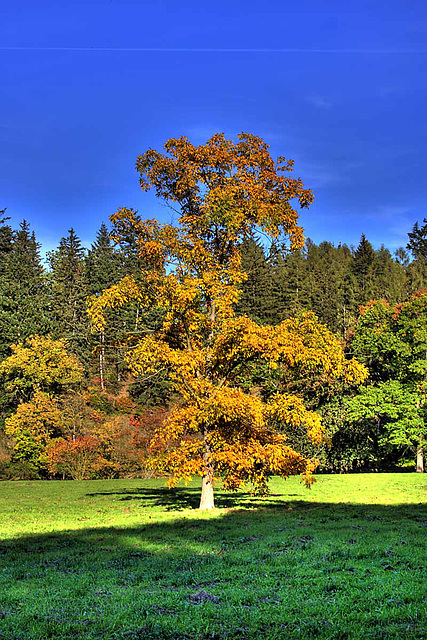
199, 133
319, 101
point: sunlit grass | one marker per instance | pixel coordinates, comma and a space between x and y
131, 559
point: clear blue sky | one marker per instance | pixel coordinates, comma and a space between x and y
339, 86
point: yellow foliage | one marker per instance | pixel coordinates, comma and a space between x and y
40, 363
40, 418
224, 191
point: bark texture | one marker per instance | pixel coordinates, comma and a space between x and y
207, 496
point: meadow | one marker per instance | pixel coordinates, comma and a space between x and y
132, 560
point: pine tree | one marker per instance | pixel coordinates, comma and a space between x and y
69, 292
107, 262
290, 283
102, 269
363, 269
327, 272
102, 263
24, 304
256, 292
390, 277
5, 238
418, 241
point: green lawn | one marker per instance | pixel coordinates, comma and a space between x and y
129, 559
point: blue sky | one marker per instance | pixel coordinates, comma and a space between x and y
340, 87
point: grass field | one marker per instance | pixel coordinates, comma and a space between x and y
129, 559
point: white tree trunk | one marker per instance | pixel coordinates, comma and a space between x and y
102, 360
207, 496
420, 458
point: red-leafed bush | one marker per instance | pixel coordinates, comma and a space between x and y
79, 459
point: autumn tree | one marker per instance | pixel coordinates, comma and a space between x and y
35, 374
223, 191
40, 364
32, 427
78, 458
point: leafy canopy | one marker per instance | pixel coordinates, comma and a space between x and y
223, 192
40, 364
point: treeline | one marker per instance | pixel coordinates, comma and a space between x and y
88, 417
331, 281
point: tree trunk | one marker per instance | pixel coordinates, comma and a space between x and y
102, 360
420, 458
207, 497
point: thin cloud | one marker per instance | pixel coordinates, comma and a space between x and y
319, 101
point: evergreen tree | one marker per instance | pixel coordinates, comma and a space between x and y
290, 284
102, 269
102, 263
5, 238
327, 270
256, 299
417, 269
418, 241
24, 304
69, 292
106, 264
363, 270
390, 277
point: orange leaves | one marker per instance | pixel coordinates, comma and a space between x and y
78, 458
255, 463
232, 185
246, 438
371, 304
223, 191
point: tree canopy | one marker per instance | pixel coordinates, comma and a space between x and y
224, 191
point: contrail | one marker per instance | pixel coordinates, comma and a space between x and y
222, 50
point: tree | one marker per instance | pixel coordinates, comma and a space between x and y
328, 268
78, 459
69, 292
24, 304
32, 427
394, 413
255, 299
224, 191
392, 341
5, 238
363, 269
36, 372
101, 270
40, 364
417, 243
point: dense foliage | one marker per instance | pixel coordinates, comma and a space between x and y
206, 322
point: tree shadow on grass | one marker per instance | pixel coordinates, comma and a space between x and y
179, 498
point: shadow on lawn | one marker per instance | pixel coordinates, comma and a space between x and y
179, 498
251, 523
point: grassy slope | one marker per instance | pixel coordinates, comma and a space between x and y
128, 559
